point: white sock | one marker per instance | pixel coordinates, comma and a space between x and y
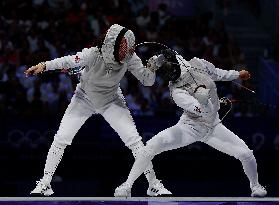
148, 171
249, 165
54, 157
142, 164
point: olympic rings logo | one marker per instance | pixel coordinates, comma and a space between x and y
32, 138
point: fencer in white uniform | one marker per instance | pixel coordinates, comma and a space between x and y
99, 93
193, 89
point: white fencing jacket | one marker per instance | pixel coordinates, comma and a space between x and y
182, 90
101, 75
101, 81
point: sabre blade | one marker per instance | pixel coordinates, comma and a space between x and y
244, 87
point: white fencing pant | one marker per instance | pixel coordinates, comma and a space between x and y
78, 111
182, 135
81, 108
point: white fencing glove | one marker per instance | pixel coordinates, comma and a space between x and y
202, 95
155, 62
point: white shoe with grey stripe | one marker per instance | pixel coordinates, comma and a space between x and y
157, 189
258, 191
42, 189
124, 190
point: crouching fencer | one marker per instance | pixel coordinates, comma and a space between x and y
192, 88
99, 93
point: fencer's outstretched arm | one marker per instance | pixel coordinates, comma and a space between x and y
70, 61
218, 74
145, 75
188, 103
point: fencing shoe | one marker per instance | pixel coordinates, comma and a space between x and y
124, 190
157, 189
42, 189
258, 191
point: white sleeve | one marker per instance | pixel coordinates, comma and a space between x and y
143, 74
218, 74
188, 103
71, 61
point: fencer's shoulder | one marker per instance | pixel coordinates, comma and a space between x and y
206, 62
201, 63
91, 50
201, 60
196, 60
92, 56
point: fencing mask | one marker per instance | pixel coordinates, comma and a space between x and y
118, 46
170, 68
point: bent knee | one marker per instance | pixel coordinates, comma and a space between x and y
148, 152
138, 149
245, 155
62, 141
154, 146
